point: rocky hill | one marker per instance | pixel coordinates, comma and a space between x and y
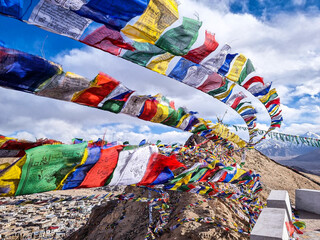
309, 162
129, 220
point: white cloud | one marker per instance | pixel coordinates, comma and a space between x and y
311, 88
144, 129
24, 135
299, 2
301, 128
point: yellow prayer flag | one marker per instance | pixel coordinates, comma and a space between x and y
265, 98
225, 94
162, 113
244, 108
3, 140
161, 63
11, 177
277, 107
236, 68
184, 180
159, 15
238, 174
204, 191
182, 119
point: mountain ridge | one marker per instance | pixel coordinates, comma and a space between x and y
280, 151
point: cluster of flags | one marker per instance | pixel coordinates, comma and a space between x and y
142, 32
45, 165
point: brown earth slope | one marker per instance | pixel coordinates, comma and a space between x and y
276, 176
129, 220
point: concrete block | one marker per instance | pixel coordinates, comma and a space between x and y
308, 200
271, 225
280, 199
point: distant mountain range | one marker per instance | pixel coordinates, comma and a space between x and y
279, 150
300, 156
309, 161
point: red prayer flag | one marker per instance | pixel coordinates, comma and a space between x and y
290, 228
102, 170
156, 164
253, 80
149, 110
274, 101
198, 54
92, 96
213, 81
209, 174
108, 40
236, 102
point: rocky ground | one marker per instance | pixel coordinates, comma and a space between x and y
127, 219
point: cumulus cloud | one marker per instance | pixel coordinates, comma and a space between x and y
301, 128
144, 129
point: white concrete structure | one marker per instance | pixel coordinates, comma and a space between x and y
271, 225
280, 199
308, 200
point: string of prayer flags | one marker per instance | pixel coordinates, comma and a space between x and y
95, 164
312, 142
103, 92
60, 166
146, 26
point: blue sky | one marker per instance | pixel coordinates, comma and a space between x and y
19, 35
268, 8
280, 37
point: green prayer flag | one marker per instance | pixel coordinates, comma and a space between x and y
183, 188
239, 106
174, 117
246, 71
272, 97
221, 89
113, 106
46, 166
193, 169
200, 128
282, 136
179, 40
198, 174
143, 53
